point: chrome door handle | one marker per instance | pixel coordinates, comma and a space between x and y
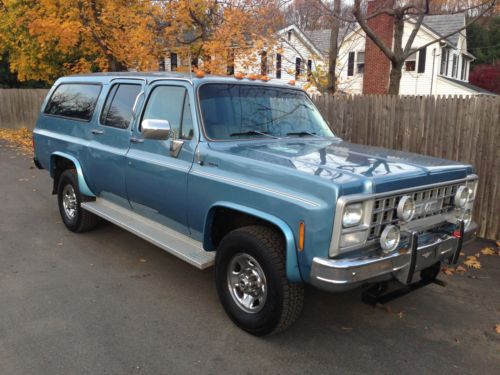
136, 140
97, 131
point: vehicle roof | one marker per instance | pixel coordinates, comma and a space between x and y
154, 76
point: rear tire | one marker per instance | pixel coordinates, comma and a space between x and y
69, 199
251, 281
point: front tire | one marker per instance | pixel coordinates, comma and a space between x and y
69, 198
251, 281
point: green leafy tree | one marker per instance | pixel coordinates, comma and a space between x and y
483, 41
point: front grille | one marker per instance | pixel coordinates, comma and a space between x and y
428, 202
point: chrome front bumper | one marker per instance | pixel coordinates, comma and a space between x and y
338, 275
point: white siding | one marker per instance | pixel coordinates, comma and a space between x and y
412, 82
290, 50
355, 42
445, 87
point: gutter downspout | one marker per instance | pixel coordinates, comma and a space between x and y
433, 64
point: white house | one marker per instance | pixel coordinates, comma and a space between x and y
442, 68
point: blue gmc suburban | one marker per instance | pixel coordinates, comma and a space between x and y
246, 175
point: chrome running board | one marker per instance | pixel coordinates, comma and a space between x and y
169, 240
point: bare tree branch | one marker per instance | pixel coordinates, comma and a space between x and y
467, 24
370, 33
414, 32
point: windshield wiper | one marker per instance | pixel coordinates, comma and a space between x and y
252, 132
302, 134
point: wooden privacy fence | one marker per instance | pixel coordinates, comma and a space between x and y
19, 108
466, 129
463, 129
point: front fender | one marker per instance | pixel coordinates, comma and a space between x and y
292, 266
82, 184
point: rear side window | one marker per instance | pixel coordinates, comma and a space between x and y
74, 100
117, 110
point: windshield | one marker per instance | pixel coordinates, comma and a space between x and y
235, 111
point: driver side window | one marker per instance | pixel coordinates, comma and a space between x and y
171, 103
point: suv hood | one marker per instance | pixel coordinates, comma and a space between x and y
348, 163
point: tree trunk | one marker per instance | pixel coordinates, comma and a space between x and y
333, 53
114, 65
398, 59
395, 78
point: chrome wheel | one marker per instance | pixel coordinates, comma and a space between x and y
69, 202
247, 283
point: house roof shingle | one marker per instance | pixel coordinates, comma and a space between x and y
444, 24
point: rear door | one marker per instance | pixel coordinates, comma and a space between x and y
156, 177
111, 141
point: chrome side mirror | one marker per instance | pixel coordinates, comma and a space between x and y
155, 129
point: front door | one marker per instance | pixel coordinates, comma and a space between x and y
111, 140
156, 177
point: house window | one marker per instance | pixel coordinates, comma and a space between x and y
454, 68
444, 61
411, 62
298, 63
289, 36
421, 60
360, 63
194, 62
161, 64
278, 66
309, 69
173, 62
263, 63
350, 64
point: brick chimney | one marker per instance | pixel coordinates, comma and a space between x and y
377, 65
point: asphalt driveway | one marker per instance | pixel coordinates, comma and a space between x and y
107, 302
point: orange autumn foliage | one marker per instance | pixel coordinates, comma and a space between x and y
46, 39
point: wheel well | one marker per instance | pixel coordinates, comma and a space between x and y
59, 165
225, 220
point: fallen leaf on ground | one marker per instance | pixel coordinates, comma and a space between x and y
497, 328
462, 254
498, 243
460, 269
488, 251
472, 262
60, 244
142, 260
448, 271
400, 315
20, 137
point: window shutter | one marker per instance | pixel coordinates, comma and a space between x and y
173, 62
298, 66
421, 60
278, 66
350, 64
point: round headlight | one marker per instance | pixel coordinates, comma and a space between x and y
406, 208
462, 196
353, 215
389, 239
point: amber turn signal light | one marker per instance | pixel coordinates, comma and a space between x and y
302, 234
